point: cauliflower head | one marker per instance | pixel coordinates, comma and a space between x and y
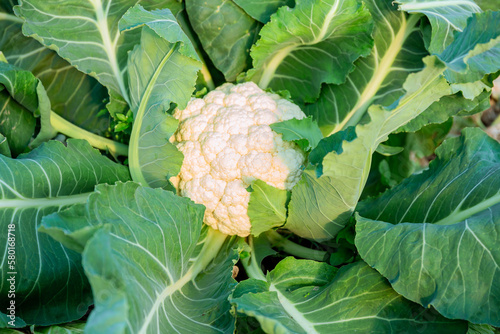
227, 144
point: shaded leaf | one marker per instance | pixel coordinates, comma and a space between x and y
226, 33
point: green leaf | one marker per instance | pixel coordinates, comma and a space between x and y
378, 78
304, 132
50, 286
480, 329
388, 150
30, 95
440, 231
488, 4
446, 107
17, 123
100, 51
6, 319
321, 206
162, 70
474, 52
303, 296
445, 16
266, 207
226, 33
70, 328
261, 10
4, 146
73, 95
152, 266
316, 42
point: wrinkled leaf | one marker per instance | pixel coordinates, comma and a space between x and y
304, 132
378, 78
316, 42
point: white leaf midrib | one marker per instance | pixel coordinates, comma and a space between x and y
292, 311
32, 203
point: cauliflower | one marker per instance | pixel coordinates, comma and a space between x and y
227, 144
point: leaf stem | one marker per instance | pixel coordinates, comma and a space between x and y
290, 247
10, 17
252, 268
71, 130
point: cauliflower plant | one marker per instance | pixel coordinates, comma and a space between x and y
227, 144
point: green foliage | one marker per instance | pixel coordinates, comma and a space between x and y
226, 33
267, 207
390, 242
51, 285
313, 43
303, 296
439, 230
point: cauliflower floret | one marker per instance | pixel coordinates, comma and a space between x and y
228, 144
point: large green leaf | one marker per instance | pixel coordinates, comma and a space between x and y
149, 263
261, 10
440, 230
378, 78
474, 52
226, 33
75, 96
162, 70
89, 39
303, 296
445, 16
321, 206
316, 42
50, 283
